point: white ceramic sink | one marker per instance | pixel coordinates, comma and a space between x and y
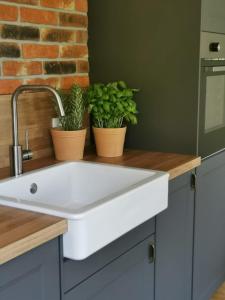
101, 202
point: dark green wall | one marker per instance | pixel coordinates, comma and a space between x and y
154, 46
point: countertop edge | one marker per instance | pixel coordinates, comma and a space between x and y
186, 167
32, 241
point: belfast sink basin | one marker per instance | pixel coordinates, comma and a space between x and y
101, 202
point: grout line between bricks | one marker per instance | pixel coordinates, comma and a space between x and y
19, 16
21, 59
45, 76
43, 43
44, 26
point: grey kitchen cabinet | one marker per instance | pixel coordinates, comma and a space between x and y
130, 276
174, 243
32, 276
213, 16
209, 250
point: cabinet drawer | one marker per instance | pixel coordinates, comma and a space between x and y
76, 271
131, 276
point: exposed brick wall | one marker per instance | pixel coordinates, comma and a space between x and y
43, 41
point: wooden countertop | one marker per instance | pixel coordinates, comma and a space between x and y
174, 164
21, 231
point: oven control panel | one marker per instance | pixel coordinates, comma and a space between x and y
212, 46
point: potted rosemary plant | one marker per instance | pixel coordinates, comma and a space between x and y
111, 106
69, 138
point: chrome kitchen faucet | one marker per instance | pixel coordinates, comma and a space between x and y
17, 154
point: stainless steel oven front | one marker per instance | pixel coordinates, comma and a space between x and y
211, 133
212, 107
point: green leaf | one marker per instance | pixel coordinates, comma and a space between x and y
74, 104
122, 84
112, 103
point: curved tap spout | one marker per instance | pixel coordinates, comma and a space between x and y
17, 154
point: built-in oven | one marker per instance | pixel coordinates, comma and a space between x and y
211, 137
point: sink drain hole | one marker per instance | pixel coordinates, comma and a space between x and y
33, 188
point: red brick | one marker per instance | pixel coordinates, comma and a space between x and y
74, 51
9, 50
8, 86
60, 67
67, 82
31, 2
81, 36
52, 81
53, 4
17, 32
8, 13
58, 35
82, 66
14, 68
38, 16
40, 51
62, 4
82, 5
67, 19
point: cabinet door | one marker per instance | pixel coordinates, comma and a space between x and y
131, 276
174, 243
32, 276
213, 16
209, 250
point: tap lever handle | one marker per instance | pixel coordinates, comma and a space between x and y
27, 153
27, 139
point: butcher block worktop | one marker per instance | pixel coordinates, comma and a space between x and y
21, 231
175, 164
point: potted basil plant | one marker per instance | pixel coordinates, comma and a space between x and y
111, 106
69, 138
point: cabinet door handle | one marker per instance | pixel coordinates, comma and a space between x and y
151, 252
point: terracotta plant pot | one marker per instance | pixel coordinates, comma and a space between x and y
109, 141
68, 145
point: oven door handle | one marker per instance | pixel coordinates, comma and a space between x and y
218, 69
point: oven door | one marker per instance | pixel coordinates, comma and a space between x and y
212, 108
